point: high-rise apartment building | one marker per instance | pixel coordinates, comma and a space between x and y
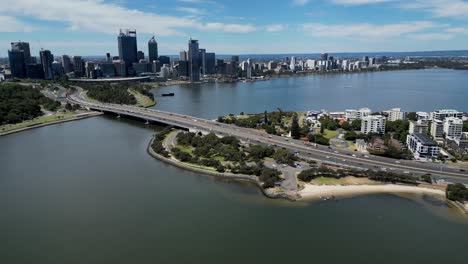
373, 124
67, 64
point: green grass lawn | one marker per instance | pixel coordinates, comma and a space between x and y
187, 149
325, 181
142, 100
38, 120
330, 134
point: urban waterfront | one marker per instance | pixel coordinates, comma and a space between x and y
412, 90
87, 191
119, 205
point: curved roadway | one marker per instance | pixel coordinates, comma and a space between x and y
311, 151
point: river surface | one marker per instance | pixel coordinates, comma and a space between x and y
412, 90
87, 192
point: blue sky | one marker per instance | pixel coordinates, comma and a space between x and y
90, 27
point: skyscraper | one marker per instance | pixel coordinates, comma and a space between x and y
17, 65
78, 66
24, 47
67, 64
46, 60
152, 50
127, 43
194, 60
210, 63
183, 56
140, 55
202, 53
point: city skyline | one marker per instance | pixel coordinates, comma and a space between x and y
241, 27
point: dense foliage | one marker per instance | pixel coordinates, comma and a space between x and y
457, 192
110, 93
208, 150
19, 103
382, 176
157, 142
465, 126
319, 139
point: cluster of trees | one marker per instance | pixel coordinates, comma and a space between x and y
19, 103
211, 146
319, 139
269, 177
397, 129
283, 156
157, 142
457, 192
382, 176
333, 124
267, 120
465, 126
208, 148
72, 107
110, 93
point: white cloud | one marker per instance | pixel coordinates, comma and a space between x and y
457, 30
366, 31
232, 28
440, 8
11, 24
300, 2
359, 2
275, 27
100, 16
190, 10
432, 36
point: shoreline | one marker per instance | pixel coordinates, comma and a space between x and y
228, 176
73, 118
312, 192
308, 191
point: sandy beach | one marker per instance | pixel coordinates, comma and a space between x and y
316, 191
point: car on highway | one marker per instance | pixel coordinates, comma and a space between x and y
396, 161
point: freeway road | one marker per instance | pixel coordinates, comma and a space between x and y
304, 149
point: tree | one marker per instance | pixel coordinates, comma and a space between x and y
350, 135
457, 192
426, 178
465, 126
412, 116
331, 126
319, 139
265, 117
295, 129
346, 125
356, 124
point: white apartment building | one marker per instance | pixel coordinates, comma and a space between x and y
363, 112
374, 124
422, 116
442, 114
352, 114
453, 127
437, 129
419, 126
422, 147
395, 114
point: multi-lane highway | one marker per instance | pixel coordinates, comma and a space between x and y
304, 149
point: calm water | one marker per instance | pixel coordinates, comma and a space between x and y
87, 192
421, 90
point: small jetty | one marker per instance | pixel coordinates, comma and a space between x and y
167, 94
